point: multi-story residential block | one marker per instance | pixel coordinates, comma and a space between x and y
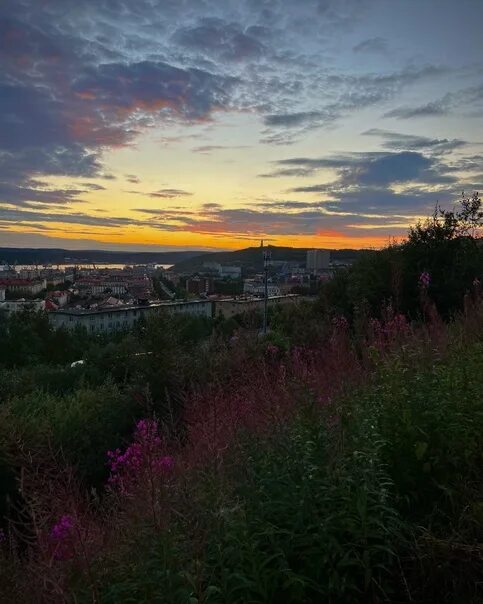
29, 287
200, 285
230, 307
12, 306
123, 316
318, 260
233, 272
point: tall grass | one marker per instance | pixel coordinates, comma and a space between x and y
348, 472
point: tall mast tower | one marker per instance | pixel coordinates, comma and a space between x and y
266, 260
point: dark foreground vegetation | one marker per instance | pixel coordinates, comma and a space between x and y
338, 459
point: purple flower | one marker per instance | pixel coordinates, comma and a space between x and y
424, 279
145, 456
62, 528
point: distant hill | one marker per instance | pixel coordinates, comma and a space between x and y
251, 257
14, 255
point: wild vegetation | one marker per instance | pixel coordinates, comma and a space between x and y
337, 459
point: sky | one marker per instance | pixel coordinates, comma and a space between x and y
211, 124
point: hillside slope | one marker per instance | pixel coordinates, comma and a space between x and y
60, 256
251, 257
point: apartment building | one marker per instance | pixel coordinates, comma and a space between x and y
28, 287
123, 316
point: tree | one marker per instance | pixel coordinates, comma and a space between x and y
446, 225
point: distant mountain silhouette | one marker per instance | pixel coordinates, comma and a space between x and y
59, 256
251, 257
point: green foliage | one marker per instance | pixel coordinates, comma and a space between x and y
382, 503
446, 246
29, 339
81, 426
304, 527
432, 421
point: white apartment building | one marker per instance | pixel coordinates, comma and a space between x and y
12, 306
24, 286
318, 260
123, 316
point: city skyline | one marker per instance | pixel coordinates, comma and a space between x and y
202, 124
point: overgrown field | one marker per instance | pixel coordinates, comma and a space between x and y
345, 472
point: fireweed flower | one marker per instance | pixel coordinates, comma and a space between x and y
424, 279
61, 536
62, 528
340, 323
143, 458
272, 349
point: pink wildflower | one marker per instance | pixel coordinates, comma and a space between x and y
144, 458
62, 528
61, 536
424, 280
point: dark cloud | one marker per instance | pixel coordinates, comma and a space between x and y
291, 120
170, 193
164, 193
93, 186
469, 100
64, 97
411, 142
207, 149
348, 93
435, 108
17, 215
153, 86
375, 169
223, 40
132, 178
377, 45
31, 192
359, 91
288, 172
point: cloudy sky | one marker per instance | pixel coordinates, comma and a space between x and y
158, 124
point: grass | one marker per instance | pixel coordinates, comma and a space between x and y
369, 493
382, 504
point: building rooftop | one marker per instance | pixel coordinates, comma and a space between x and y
124, 307
15, 281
